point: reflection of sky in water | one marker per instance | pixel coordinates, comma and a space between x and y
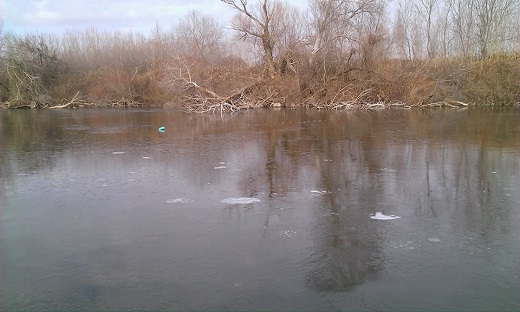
263, 210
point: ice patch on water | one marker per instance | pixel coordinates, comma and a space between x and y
118, 153
380, 216
240, 200
147, 157
222, 163
404, 245
434, 239
179, 201
220, 167
289, 233
319, 192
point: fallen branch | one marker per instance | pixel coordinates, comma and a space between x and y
71, 102
447, 103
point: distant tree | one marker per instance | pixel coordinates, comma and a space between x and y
427, 10
371, 37
410, 31
493, 17
199, 37
334, 29
482, 27
289, 32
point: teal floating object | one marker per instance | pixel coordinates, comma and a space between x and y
162, 129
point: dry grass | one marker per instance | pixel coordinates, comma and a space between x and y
124, 75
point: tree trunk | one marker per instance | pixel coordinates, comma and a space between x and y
269, 55
267, 44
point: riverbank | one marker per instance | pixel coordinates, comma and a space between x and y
231, 86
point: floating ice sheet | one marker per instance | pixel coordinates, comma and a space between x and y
434, 239
220, 167
118, 153
240, 200
380, 216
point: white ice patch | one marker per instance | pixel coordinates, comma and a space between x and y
319, 192
147, 157
179, 201
220, 167
289, 233
404, 245
434, 239
381, 216
118, 153
240, 200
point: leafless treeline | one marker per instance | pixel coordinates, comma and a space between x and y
445, 28
337, 51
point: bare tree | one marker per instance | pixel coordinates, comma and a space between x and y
408, 37
493, 16
463, 16
334, 32
482, 27
32, 66
257, 25
427, 10
199, 37
288, 30
445, 28
371, 37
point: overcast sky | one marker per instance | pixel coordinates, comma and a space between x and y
57, 16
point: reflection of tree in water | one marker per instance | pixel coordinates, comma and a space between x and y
444, 177
378, 161
302, 153
346, 254
25, 139
348, 250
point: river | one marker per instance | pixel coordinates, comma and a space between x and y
260, 210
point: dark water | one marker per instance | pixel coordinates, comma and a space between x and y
100, 211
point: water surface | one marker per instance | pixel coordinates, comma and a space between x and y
259, 210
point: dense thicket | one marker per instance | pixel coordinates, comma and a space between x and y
339, 53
